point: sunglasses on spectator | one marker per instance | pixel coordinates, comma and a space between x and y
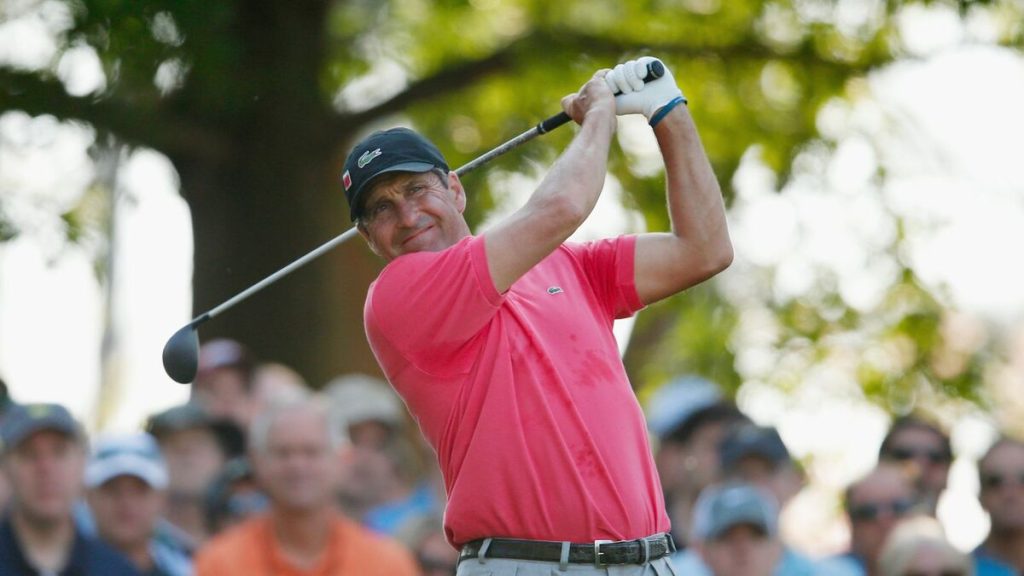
941, 572
871, 511
994, 481
903, 454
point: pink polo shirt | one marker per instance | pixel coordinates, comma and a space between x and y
522, 395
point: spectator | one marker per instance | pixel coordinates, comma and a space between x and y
366, 407
735, 530
224, 381
874, 504
918, 547
233, 496
295, 451
43, 456
757, 456
5, 398
689, 417
382, 484
5, 404
195, 446
1001, 475
126, 481
924, 450
424, 535
274, 383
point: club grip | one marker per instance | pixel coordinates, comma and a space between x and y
655, 70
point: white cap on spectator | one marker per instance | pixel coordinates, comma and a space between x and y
126, 455
356, 398
676, 401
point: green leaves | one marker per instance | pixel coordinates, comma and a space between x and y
231, 90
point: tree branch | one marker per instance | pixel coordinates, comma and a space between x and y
445, 80
464, 74
132, 122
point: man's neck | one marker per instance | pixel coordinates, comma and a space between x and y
139, 555
1007, 546
303, 535
46, 544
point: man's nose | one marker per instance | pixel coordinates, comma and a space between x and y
408, 213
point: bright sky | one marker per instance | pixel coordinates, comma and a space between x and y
947, 127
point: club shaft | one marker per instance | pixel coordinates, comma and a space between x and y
311, 255
509, 145
541, 128
655, 70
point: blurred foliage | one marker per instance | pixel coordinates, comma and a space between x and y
214, 84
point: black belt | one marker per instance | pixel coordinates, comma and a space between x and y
598, 553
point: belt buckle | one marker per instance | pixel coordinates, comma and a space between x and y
597, 552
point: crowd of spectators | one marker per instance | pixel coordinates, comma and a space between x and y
727, 481
257, 474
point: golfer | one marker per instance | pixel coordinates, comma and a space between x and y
501, 344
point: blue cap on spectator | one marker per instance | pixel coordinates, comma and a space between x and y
722, 507
135, 455
675, 402
747, 439
23, 420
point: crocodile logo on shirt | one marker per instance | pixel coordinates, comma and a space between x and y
555, 290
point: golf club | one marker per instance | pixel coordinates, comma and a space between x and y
181, 353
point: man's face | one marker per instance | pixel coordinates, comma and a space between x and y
368, 473
409, 212
193, 458
297, 466
781, 479
1002, 486
875, 505
45, 475
742, 550
224, 393
925, 453
126, 509
702, 461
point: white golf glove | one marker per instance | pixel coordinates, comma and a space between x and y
638, 97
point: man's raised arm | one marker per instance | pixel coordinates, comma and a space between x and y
567, 194
698, 247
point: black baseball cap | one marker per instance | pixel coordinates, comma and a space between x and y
746, 439
393, 150
191, 415
23, 420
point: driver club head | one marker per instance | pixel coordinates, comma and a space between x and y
181, 355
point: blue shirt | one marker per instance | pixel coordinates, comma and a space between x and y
791, 563
89, 557
388, 518
986, 565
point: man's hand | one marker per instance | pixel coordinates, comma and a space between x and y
638, 97
594, 97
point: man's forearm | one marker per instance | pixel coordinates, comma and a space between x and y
694, 197
566, 196
578, 176
698, 247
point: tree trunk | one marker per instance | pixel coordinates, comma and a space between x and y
256, 215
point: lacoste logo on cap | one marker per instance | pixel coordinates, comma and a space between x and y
367, 157
555, 290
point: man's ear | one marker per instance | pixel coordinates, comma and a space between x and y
366, 236
455, 185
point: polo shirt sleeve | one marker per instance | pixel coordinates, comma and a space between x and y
430, 304
610, 267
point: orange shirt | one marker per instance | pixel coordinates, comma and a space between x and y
250, 549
